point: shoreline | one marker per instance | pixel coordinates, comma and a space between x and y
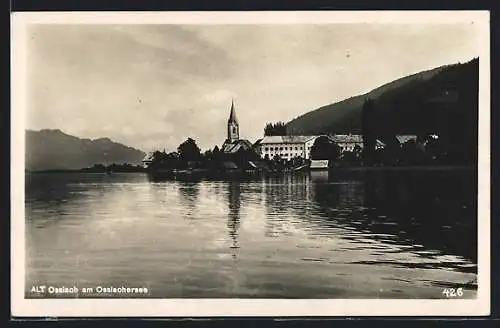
230, 175
404, 168
332, 169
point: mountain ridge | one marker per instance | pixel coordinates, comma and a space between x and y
443, 101
48, 149
317, 120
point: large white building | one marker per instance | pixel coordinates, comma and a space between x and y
287, 147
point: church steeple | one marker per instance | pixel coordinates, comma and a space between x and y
233, 133
232, 115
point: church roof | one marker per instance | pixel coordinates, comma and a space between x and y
233, 147
232, 115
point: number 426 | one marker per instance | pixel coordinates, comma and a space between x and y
453, 292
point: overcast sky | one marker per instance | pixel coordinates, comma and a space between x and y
155, 85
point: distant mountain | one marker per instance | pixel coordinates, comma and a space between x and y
54, 149
396, 97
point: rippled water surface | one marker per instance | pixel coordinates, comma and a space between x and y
319, 235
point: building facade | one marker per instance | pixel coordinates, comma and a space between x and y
287, 147
147, 160
348, 142
403, 138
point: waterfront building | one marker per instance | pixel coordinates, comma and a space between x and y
403, 138
347, 142
147, 160
287, 147
420, 142
233, 143
379, 144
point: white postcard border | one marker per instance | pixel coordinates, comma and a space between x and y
22, 307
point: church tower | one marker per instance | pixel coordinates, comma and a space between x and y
233, 128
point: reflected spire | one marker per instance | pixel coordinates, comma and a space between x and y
233, 222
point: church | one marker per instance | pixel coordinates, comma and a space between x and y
233, 142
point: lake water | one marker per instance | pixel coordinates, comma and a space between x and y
402, 234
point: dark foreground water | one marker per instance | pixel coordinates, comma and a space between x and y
407, 234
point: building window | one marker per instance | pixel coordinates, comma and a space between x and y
265, 149
281, 148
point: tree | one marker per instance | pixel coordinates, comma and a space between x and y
243, 156
208, 154
368, 130
357, 151
164, 160
411, 153
189, 151
275, 129
324, 149
433, 149
99, 167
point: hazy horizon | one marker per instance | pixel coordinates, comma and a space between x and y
153, 86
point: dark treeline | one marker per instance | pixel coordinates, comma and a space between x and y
445, 105
426, 151
275, 129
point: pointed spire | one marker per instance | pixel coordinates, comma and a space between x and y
232, 115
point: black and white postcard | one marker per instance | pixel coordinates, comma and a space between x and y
250, 164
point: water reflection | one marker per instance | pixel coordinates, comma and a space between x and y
308, 235
233, 222
428, 209
189, 196
285, 198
